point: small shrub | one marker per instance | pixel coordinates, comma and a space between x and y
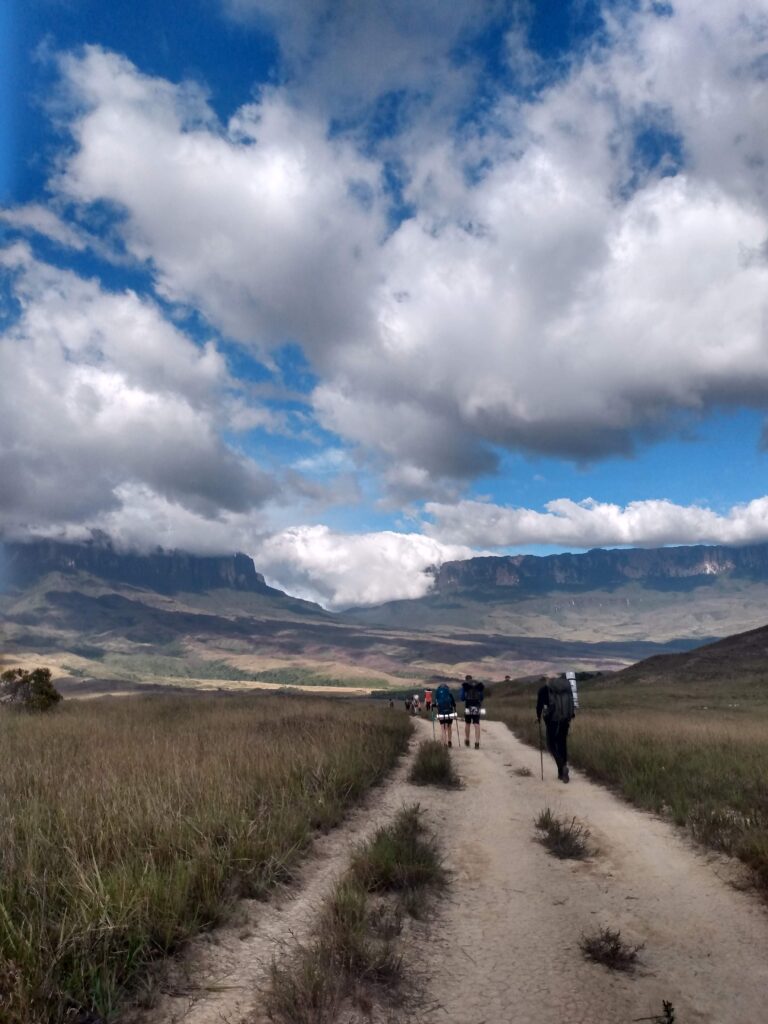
565, 839
32, 691
606, 947
432, 766
523, 772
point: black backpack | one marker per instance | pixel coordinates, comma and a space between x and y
560, 701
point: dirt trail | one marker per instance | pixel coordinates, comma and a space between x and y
507, 945
223, 977
503, 944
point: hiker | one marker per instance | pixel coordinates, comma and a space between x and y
428, 700
558, 700
408, 704
472, 694
415, 704
446, 712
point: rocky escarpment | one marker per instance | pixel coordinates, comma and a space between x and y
601, 568
164, 571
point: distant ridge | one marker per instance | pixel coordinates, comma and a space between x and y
600, 568
160, 570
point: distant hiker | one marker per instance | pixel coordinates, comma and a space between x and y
407, 703
391, 702
472, 693
415, 704
428, 700
558, 700
446, 712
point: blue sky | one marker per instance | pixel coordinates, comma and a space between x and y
361, 288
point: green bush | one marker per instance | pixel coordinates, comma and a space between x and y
32, 691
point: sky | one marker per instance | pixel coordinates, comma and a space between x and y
361, 288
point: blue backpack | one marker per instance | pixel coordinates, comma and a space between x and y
443, 698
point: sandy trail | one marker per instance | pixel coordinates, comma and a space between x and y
502, 946
505, 945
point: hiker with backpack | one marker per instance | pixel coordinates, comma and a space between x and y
558, 701
446, 712
473, 694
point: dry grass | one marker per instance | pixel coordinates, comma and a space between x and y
701, 765
131, 825
564, 838
607, 947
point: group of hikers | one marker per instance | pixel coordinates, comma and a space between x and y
557, 702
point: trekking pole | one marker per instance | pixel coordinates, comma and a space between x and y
458, 737
432, 716
541, 751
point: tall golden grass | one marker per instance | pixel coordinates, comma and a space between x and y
129, 825
705, 770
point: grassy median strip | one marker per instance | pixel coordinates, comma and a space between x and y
353, 955
432, 766
704, 769
130, 825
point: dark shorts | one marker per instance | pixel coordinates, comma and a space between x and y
472, 715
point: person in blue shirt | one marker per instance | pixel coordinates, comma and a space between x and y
446, 708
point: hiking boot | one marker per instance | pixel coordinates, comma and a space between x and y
466, 743
565, 776
477, 746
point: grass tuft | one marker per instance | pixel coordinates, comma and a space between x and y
565, 839
433, 766
607, 947
523, 772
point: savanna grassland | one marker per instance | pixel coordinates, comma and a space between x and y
130, 825
693, 750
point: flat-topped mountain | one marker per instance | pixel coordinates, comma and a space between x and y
664, 595
160, 570
603, 568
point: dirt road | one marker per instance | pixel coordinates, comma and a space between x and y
507, 947
502, 946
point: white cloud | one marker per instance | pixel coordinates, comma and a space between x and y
566, 299
340, 570
99, 390
589, 523
41, 220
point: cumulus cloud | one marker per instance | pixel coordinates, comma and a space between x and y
564, 285
100, 389
597, 524
340, 570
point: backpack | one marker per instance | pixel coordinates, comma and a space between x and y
472, 692
443, 698
560, 701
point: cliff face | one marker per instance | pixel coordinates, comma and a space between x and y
167, 571
600, 568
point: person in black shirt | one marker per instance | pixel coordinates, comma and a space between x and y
472, 694
557, 702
